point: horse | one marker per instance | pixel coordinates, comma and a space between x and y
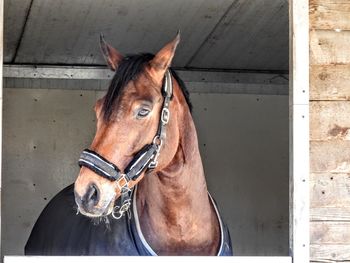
141, 188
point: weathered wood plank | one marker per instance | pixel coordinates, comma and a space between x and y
330, 120
330, 156
329, 132
330, 190
330, 82
330, 213
329, 47
329, 253
313, 260
330, 233
329, 14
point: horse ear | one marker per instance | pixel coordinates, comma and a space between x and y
111, 55
162, 60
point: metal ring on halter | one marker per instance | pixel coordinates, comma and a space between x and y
116, 214
121, 211
158, 141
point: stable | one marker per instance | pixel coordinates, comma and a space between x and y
239, 89
248, 80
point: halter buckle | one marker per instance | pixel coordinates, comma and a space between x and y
165, 116
122, 182
159, 142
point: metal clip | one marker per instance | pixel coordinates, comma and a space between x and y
158, 141
119, 212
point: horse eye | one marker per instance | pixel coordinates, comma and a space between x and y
143, 113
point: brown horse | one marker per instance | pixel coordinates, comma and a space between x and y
144, 121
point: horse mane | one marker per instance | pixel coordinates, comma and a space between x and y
129, 68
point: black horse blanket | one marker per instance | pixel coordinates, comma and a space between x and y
60, 231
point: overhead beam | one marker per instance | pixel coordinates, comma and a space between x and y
79, 72
53, 72
96, 78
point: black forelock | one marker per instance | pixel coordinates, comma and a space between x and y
128, 69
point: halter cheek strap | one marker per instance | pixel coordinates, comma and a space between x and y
146, 158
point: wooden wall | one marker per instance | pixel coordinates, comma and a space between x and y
330, 130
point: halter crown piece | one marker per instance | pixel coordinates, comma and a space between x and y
145, 159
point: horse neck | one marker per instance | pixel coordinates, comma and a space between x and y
183, 177
175, 199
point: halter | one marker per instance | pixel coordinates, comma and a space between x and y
145, 159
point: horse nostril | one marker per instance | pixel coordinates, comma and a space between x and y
92, 196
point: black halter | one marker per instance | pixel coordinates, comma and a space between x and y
146, 158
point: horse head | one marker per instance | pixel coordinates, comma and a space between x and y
129, 117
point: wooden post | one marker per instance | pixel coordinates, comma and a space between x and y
1, 59
299, 129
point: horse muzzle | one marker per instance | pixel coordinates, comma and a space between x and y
91, 200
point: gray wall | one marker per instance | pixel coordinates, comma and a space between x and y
243, 141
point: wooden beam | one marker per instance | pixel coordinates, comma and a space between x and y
330, 214
330, 14
324, 233
329, 253
329, 47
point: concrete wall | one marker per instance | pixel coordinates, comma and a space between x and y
244, 146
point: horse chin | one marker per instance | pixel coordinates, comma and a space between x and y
87, 214
98, 213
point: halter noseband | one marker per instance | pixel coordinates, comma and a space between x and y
146, 158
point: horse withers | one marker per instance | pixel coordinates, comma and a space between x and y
141, 189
